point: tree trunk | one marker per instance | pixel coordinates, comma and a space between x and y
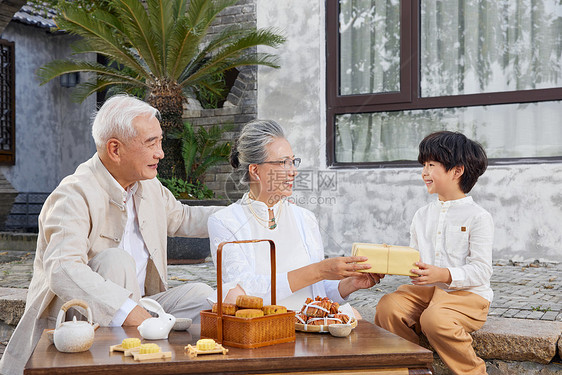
168, 99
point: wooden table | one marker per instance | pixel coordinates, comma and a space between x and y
369, 349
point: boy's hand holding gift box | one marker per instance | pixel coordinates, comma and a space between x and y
387, 259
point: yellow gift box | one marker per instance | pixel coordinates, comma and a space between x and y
392, 260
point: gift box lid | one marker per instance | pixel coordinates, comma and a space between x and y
387, 259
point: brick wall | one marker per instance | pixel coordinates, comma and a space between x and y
241, 103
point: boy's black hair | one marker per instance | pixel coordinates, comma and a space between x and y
454, 149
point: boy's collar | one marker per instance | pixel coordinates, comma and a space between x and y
467, 199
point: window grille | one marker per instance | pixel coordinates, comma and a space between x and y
7, 103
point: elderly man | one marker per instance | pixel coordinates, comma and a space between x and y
103, 231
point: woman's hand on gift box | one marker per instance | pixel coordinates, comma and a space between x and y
430, 274
341, 267
337, 268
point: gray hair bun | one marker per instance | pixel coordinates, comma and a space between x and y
250, 147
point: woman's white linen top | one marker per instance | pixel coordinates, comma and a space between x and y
297, 241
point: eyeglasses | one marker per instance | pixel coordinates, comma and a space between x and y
287, 163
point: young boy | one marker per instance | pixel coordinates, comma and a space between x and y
454, 236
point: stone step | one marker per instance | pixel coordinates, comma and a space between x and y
18, 241
12, 305
518, 340
512, 339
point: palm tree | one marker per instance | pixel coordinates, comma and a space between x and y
162, 49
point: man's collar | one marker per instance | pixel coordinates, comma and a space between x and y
109, 183
133, 188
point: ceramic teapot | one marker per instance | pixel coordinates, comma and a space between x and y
73, 336
155, 328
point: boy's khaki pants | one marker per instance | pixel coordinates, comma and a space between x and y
446, 319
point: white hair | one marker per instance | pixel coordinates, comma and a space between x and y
115, 118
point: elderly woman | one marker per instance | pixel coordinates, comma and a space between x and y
268, 165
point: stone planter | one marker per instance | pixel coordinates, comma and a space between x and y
7, 196
182, 250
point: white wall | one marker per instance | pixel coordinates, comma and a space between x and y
377, 205
52, 131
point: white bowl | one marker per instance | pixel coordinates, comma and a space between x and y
50, 335
182, 324
340, 330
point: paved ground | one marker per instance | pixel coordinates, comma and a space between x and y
522, 290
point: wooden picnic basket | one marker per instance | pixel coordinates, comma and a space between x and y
247, 333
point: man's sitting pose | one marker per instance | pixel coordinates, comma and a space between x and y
103, 232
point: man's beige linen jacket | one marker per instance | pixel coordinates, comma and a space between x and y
83, 216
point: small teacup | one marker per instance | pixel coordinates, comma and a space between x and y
340, 330
50, 335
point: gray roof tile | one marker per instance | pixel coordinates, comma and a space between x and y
36, 16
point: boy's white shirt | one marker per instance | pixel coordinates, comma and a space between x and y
457, 235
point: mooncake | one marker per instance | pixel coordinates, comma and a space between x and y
130, 343
249, 313
249, 302
227, 308
206, 344
149, 348
274, 309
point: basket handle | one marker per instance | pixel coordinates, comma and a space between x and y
219, 278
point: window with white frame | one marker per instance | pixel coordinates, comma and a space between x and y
399, 70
